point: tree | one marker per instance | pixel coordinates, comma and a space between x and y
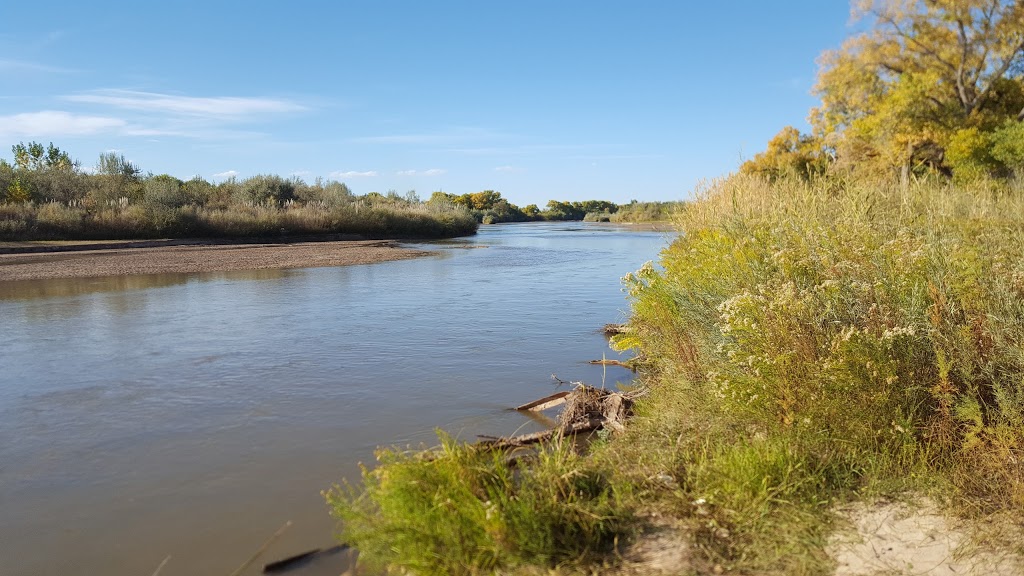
484, 200
33, 156
789, 153
926, 69
1008, 147
113, 164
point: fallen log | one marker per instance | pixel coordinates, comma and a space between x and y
536, 437
556, 399
607, 362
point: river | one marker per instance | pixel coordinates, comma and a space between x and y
190, 416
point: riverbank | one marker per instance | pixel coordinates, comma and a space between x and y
812, 354
37, 261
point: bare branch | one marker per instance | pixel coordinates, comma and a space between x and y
1000, 72
961, 89
910, 38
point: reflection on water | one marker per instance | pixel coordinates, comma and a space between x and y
63, 287
192, 415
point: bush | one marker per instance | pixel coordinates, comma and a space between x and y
876, 321
461, 510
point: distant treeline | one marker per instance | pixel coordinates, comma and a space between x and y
490, 208
47, 195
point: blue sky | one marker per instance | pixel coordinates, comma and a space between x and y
539, 100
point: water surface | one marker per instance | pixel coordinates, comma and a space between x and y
191, 415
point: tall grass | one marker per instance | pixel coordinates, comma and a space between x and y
813, 341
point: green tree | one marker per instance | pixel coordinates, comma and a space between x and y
969, 155
114, 164
1008, 146
33, 156
266, 189
17, 192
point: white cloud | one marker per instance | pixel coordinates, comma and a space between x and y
353, 174
50, 123
225, 175
430, 172
507, 169
220, 106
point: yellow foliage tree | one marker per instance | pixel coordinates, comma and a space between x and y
789, 153
896, 94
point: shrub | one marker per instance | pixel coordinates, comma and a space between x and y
461, 510
874, 321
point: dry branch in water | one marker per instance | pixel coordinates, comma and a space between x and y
586, 409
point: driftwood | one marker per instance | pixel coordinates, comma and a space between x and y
536, 437
607, 362
586, 409
556, 399
610, 330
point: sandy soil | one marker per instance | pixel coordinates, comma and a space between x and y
896, 538
81, 262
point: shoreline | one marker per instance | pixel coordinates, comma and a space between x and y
42, 261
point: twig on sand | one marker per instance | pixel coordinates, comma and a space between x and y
161, 566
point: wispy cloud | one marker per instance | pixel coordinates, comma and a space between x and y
400, 139
592, 157
9, 65
442, 136
226, 174
223, 107
52, 123
508, 169
429, 172
353, 174
518, 150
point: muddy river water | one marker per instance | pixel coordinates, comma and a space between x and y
190, 416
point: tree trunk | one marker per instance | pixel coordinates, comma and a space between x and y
905, 169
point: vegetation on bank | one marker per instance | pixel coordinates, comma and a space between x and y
489, 207
804, 344
48, 198
842, 320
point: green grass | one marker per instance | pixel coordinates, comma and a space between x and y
805, 344
461, 510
